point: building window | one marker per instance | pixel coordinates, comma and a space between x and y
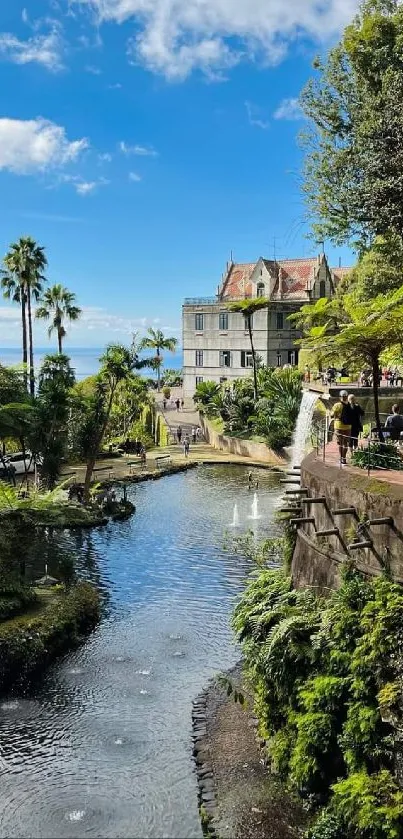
199, 380
279, 361
293, 357
223, 322
225, 358
279, 320
199, 358
322, 289
246, 358
260, 290
246, 323
199, 323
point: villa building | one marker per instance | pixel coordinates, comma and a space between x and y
216, 344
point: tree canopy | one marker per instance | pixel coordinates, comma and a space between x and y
354, 166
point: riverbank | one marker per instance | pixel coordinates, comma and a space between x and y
238, 796
56, 622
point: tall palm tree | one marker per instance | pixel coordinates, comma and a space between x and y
22, 280
247, 308
156, 340
58, 303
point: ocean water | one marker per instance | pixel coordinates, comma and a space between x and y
84, 360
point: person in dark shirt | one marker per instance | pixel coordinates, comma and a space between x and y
357, 414
394, 423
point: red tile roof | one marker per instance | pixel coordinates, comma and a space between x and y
297, 277
237, 282
340, 273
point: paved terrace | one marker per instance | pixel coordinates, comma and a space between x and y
331, 458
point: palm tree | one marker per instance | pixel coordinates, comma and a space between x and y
22, 279
59, 304
247, 308
156, 340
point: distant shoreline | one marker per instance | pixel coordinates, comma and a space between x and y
84, 360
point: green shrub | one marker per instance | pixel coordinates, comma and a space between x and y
379, 456
325, 673
28, 643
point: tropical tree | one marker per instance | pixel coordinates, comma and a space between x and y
117, 366
360, 330
247, 308
49, 436
22, 281
16, 421
205, 393
354, 162
59, 304
156, 340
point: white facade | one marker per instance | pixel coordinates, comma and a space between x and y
216, 343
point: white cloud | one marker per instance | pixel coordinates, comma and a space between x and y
142, 151
133, 176
81, 186
175, 37
105, 158
116, 86
91, 68
44, 49
35, 145
255, 116
24, 16
288, 109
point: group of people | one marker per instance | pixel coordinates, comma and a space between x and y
174, 403
348, 416
195, 434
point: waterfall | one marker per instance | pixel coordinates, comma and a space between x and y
303, 427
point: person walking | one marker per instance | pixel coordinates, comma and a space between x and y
342, 416
182, 404
394, 424
194, 434
179, 434
178, 404
186, 446
357, 414
164, 404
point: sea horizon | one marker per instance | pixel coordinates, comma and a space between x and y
84, 360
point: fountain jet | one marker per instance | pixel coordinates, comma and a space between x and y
255, 510
235, 518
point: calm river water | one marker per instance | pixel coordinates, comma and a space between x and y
101, 746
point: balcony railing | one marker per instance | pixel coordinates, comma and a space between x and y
200, 301
211, 301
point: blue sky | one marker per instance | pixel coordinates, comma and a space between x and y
143, 140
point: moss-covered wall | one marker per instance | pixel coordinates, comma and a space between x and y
29, 642
318, 559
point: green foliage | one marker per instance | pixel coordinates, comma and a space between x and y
59, 304
15, 596
355, 139
326, 676
12, 388
271, 417
377, 456
28, 643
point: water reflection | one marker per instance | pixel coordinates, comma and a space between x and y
101, 746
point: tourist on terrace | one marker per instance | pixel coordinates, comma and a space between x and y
342, 416
186, 446
357, 414
194, 434
179, 433
394, 424
178, 404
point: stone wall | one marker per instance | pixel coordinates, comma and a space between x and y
246, 448
353, 504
